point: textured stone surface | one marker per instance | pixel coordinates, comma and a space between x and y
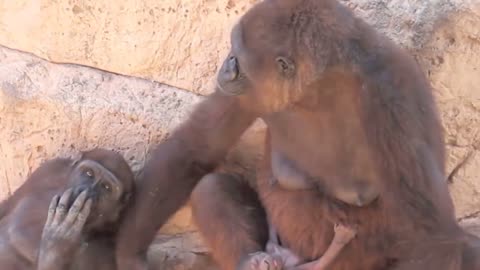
177, 42
180, 252
472, 225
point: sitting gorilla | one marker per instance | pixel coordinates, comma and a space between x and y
80, 223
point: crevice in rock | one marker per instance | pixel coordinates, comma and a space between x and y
9, 187
460, 165
101, 70
475, 147
475, 214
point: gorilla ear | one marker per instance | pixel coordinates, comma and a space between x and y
285, 66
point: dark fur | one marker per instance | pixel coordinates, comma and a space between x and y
344, 104
25, 213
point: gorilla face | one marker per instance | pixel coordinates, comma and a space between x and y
260, 66
108, 192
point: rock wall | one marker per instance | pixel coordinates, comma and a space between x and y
61, 88
176, 42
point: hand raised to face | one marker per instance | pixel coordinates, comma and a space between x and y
62, 232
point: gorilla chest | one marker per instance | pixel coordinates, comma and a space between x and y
307, 148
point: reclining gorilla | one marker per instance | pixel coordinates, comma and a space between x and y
354, 138
80, 225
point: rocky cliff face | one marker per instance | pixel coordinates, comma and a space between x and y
61, 88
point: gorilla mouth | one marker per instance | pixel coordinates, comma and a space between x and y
229, 92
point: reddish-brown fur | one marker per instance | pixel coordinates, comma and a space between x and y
354, 106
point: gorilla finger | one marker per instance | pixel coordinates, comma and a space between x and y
75, 209
51, 210
61, 209
80, 200
82, 216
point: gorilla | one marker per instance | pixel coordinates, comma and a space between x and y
87, 197
354, 142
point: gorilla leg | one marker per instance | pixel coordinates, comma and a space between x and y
232, 221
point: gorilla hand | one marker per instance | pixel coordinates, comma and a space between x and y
62, 232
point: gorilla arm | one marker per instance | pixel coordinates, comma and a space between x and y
195, 148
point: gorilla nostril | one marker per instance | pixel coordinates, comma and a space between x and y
229, 70
233, 65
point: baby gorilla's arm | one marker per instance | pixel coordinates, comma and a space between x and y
277, 257
62, 232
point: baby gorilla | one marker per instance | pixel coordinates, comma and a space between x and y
78, 230
281, 258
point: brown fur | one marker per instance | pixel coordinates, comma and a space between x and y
226, 197
344, 103
25, 213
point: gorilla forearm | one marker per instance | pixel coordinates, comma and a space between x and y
160, 195
177, 164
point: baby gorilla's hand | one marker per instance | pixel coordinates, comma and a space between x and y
344, 234
62, 232
286, 256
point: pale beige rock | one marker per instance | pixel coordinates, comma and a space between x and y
177, 42
472, 225
180, 252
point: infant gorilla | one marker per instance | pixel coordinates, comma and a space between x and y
278, 257
78, 230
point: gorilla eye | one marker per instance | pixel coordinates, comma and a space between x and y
106, 187
89, 173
